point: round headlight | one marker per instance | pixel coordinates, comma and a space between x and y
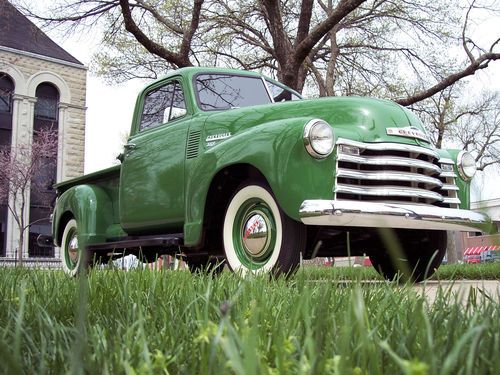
319, 138
466, 165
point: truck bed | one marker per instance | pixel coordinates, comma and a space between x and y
101, 177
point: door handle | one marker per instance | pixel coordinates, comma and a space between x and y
130, 146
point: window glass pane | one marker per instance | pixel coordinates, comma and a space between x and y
47, 101
154, 106
5, 137
6, 90
3, 228
46, 108
228, 91
5, 100
178, 105
42, 200
42, 195
281, 94
163, 104
39, 216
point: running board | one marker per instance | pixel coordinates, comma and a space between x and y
130, 243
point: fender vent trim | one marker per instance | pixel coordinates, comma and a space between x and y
193, 144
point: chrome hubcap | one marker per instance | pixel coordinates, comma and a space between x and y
256, 234
73, 249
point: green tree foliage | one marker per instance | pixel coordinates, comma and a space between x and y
468, 123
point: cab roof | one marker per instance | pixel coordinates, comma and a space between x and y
190, 72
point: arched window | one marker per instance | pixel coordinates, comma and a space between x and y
6, 92
42, 198
47, 99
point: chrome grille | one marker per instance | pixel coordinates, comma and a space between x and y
393, 172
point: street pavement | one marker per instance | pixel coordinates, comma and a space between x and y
463, 289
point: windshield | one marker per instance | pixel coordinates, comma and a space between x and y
281, 94
216, 91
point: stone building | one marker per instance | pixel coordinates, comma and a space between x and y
41, 86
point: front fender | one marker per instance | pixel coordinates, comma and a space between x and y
277, 150
92, 209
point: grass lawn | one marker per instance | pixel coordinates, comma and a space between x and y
114, 322
484, 271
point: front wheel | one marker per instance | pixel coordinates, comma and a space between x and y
422, 253
258, 236
72, 254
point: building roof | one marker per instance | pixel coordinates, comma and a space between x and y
19, 33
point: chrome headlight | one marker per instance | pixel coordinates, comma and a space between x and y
319, 138
466, 165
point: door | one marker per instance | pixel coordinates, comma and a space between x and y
152, 173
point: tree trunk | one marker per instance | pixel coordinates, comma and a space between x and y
451, 248
21, 235
20, 251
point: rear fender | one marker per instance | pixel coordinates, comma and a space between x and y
92, 209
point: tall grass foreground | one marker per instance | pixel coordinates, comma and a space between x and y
140, 322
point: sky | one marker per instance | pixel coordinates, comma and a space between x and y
110, 107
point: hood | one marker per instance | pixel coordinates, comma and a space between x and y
357, 118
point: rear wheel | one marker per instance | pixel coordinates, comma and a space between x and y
257, 234
72, 254
422, 251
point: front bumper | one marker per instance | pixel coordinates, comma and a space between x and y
392, 215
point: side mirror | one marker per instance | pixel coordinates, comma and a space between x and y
177, 112
173, 113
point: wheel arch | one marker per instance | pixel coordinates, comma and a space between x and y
63, 221
237, 173
222, 187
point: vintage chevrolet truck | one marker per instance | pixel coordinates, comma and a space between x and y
231, 166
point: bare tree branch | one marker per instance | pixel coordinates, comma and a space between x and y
178, 59
172, 26
478, 64
363, 47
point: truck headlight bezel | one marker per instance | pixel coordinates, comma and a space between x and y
466, 165
319, 138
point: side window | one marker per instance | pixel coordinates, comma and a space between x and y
162, 105
178, 108
279, 93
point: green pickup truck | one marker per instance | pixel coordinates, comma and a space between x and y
231, 166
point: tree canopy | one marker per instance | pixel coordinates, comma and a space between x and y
407, 51
414, 52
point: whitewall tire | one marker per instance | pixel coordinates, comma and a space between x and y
257, 234
71, 253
